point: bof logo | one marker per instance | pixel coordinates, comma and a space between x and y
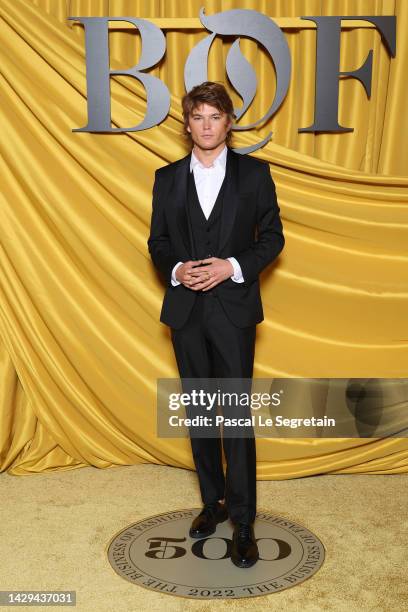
236, 22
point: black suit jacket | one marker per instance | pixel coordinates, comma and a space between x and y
250, 231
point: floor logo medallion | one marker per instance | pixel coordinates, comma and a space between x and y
158, 554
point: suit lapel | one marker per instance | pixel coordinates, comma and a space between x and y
230, 203
180, 200
229, 208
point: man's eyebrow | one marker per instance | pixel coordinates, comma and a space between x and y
212, 114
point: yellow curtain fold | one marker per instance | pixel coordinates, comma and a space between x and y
81, 345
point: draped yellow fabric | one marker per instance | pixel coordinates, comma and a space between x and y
81, 345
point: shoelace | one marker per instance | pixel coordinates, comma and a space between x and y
244, 531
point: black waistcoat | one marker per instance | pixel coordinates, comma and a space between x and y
204, 233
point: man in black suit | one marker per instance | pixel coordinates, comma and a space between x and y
215, 226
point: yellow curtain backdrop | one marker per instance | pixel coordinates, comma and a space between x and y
81, 342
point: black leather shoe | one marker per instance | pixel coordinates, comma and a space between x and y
244, 552
206, 522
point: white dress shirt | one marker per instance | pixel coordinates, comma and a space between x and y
208, 181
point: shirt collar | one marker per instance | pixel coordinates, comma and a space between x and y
220, 160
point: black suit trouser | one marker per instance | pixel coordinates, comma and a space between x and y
210, 346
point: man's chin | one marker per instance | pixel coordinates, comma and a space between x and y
208, 144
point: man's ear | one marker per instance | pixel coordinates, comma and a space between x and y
188, 129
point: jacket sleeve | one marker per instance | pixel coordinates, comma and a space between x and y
270, 239
159, 240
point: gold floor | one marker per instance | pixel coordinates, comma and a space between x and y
55, 528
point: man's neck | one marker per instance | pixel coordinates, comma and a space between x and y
207, 156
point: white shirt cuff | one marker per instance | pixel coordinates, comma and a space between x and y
174, 280
237, 276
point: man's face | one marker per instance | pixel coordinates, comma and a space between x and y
208, 126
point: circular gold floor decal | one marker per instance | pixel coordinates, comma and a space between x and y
158, 554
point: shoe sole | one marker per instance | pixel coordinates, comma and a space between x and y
243, 564
207, 533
